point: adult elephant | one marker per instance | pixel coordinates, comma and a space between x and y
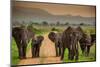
22, 37
56, 38
35, 45
70, 38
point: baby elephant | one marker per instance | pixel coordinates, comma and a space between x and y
36, 44
85, 44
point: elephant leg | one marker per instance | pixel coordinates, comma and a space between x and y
20, 50
33, 51
56, 48
59, 51
59, 48
69, 57
88, 50
82, 48
77, 53
24, 51
71, 54
37, 51
62, 56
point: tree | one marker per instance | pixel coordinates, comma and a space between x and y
45, 23
82, 24
58, 23
34, 23
67, 23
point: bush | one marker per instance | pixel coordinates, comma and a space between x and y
55, 29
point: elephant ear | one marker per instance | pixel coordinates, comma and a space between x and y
68, 30
40, 38
52, 36
79, 29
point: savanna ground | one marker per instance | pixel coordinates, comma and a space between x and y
47, 50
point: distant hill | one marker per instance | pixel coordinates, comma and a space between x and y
40, 15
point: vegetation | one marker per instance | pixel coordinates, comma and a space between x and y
14, 52
67, 23
55, 29
45, 23
81, 24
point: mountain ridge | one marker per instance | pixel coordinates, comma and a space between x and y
40, 15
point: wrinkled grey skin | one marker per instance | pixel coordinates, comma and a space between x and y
56, 38
22, 37
35, 45
85, 43
70, 38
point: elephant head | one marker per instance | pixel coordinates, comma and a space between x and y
52, 36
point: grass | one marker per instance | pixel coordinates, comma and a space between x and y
14, 52
89, 29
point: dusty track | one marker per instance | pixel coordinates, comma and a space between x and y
47, 54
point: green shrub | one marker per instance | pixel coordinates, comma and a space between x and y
55, 29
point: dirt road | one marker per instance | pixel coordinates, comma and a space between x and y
47, 54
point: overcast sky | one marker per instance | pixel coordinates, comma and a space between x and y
60, 9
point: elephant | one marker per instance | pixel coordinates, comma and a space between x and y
86, 42
35, 45
70, 38
22, 37
56, 38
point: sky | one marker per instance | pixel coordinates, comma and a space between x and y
60, 9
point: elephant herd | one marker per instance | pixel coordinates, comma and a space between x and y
69, 38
